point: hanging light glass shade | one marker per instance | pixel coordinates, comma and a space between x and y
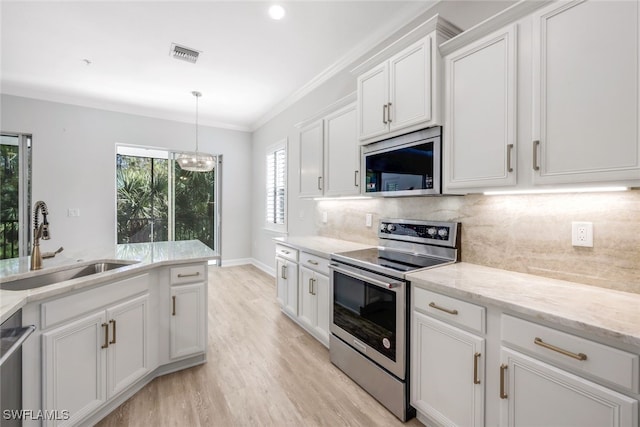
196, 162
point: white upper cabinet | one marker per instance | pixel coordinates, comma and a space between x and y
585, 92
330, 151
410, 86
373, 100
480, 106
342, 153
311, 166
400, 92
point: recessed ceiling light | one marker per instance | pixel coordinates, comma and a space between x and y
276, 12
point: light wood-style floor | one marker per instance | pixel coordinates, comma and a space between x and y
262, 370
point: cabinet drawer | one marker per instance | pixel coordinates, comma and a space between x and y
582, 355
452, 310
188, 274
65, 308
287, 253
319, 264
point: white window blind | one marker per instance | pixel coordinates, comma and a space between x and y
276, 177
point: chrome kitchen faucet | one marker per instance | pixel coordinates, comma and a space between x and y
39, 232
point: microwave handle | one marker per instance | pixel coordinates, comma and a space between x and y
365, 278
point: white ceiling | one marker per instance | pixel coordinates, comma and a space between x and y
250, 65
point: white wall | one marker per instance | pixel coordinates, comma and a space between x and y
302, 212
74, 167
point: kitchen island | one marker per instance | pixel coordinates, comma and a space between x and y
102, 337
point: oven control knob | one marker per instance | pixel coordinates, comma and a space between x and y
432, 231
391, 227
443, 232
383, 227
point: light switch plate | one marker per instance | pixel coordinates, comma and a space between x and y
368, 220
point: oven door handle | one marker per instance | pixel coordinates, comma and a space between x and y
365, 278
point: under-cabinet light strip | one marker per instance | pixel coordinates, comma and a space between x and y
557, 190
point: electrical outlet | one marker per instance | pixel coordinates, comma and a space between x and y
582, 234
368, 221
73, 212
325, 218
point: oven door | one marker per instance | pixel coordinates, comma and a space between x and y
368, 312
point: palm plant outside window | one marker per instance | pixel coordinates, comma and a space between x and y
159, 201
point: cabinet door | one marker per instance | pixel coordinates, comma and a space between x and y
291, 285
281, 282
311, 178
373, 96
447, 372
481, 113
342, 153
188, 319
74, 368
585, 98
321, 289
410, 85
538, 394
128, 358
307, 314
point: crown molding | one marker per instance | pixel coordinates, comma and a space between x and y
114, 107
379, 36
444, 29
494, 23
342, 102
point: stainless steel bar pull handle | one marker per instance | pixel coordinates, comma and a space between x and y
106, 335
312, 262
284, 272
503, 393
113, 325
196, 274
536, 144
389, 112
509, 153
311, 286
319, 183
446, 310
476, 360
173, 310
355, 177
578, 356
384, 114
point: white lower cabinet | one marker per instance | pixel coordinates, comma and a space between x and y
87, 361
475, 366
314, 303
536, 394
447, 373
287, 285
188, 317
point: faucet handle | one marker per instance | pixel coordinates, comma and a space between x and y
52, 254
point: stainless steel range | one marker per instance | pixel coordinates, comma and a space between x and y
370, 302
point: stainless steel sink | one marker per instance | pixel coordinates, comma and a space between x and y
45, 279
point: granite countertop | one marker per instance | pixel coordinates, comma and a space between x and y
320, 246
601, 312
144, 256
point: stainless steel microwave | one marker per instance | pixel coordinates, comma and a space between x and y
406, 165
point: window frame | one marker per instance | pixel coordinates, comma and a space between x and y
269, 151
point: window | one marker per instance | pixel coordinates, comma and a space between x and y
15, 200
276, 187
158, 201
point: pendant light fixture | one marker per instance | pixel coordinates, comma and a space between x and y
196, 162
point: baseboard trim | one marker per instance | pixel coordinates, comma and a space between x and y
235, 262
264, 267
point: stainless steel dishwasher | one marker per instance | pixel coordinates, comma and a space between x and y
12, 335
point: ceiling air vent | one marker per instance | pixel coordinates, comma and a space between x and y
184, 53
